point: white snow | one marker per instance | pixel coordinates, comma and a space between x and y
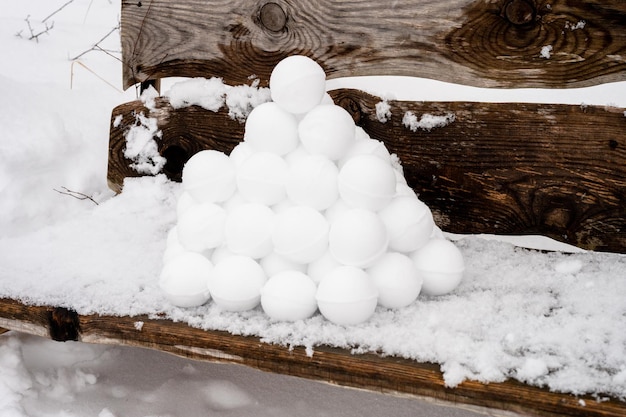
548, 319
546, 51
426, 121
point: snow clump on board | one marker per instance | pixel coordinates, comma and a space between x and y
306, 213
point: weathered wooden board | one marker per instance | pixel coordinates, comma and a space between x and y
495, 43
504, 168
337, 366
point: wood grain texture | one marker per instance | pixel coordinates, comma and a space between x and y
494, 43
337, 366
503, 168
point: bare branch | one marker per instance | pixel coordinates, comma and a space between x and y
34, 35
76, 194
57, 11
96, 46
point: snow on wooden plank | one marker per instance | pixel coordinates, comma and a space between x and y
489, 44
337, 366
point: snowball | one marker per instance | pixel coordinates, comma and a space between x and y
366, 181
313, 182
236, 283
248, 230
274, 263
300, 234
240, 153
403, 189
209, 176
441, 265
233, 202
320, 267
357, 237
184, 202
396, 277
294, 157
367, 146
272, 129
289, 296
297, 84
220, 253
184, 279
327, 130
335, 210
261, 178
347, 296
173, 247
409, 223
201, 227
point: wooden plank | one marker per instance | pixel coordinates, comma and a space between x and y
504, 168
496, 43
337, 366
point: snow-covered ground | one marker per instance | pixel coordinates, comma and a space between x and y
555, 320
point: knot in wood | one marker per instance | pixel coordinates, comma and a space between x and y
63, 324
352, 107
273, 17
520, 12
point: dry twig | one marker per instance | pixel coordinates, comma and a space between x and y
76, 194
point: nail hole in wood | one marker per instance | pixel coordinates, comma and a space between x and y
520, 12
613, 144
273, 17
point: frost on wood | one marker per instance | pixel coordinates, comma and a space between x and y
427, 121
574, 26
141, 147
212, 94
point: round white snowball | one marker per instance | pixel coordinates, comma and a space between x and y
397, 279
261, 178
327, 130
335, 210
270, 128
201, 227
274, 263
209, 176
300, 234
289, 296
173, 247
313, 182
294, 157
409, 223
320, 267
357, 237
240, 153
347, 296
441, 265
184, 279
248, 230
236, 283
367, 146
366, 181
297, 84
220, 253
185, 200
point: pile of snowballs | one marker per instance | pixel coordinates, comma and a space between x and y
306, 213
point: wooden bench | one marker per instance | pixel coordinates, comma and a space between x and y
507, 168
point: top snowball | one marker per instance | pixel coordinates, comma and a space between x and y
297, 84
